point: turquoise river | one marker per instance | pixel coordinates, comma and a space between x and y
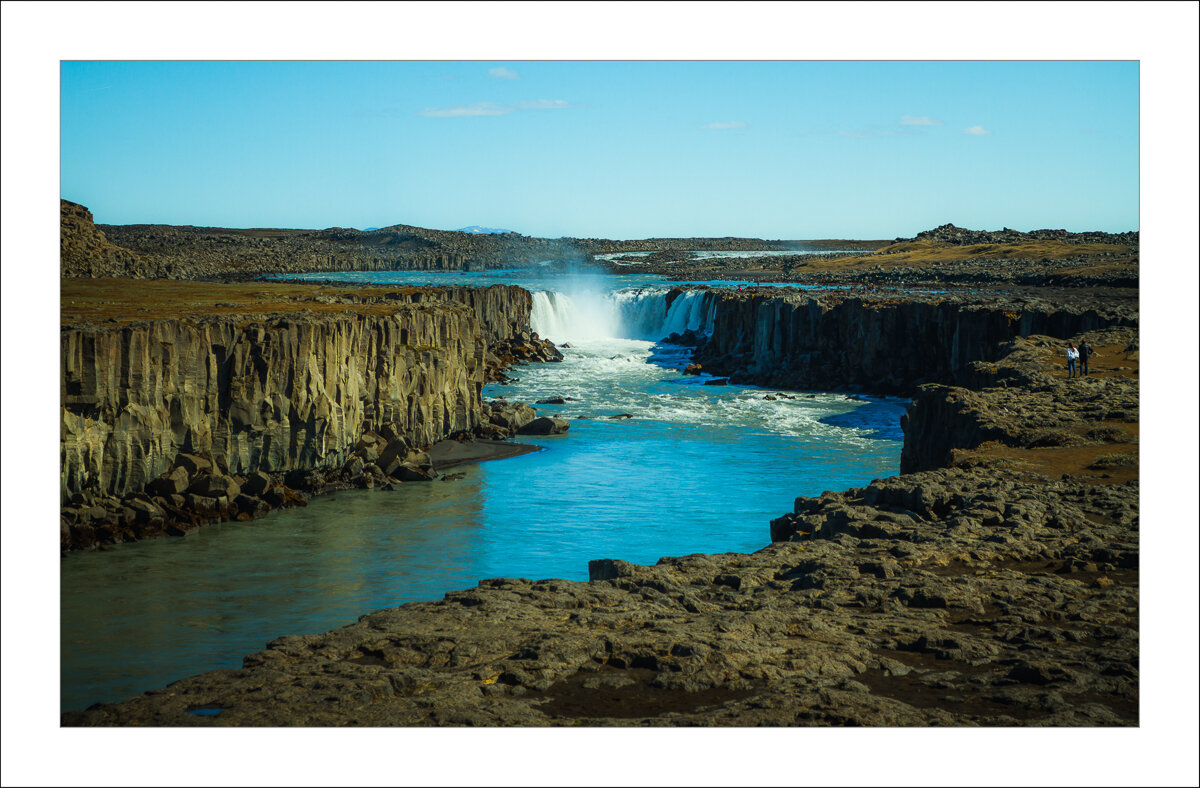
687, 468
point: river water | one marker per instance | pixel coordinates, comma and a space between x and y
686, 468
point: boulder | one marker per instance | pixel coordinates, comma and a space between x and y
303, 479
171, 483
511, 415
610, 569
545, 425
215, 485
689, 338
205, 505
396, 449
492, 431
353, 467
249, 505
390, 468
692, 369
145, 511
193, 463
257, 483
370, 439
411, 473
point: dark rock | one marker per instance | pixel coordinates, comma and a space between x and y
545, 425
251, 506
215, 486
510, 415
396, 449
145, 511
171, 483
257, 483
193, 464
353, 467
411, 473
609, 569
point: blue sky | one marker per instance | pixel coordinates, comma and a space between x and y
623, 149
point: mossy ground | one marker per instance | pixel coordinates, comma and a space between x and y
1111, 453
124, 301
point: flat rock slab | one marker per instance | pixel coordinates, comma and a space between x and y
447, 454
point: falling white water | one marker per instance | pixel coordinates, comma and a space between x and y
632, 313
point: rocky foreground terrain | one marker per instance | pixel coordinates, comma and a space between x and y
998, 591
941, 598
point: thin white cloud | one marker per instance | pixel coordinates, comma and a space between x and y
544, 104
500, 72
919, 120
862, 135
488, 108
468, 110
976, 130
733, 124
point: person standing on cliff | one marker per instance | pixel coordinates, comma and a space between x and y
1072, 355
1085, 352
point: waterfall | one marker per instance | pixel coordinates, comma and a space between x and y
634, 313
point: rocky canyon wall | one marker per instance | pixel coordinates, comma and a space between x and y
884, 345
259, 393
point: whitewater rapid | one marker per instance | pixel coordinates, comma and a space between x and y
617, 365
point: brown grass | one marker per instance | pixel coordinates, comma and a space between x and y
124, 301
1078, 461
922, 253
1111, 457
919, 252
1108, 361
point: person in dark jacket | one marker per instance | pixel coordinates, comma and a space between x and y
1085, 350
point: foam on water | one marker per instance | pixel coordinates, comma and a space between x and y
614, 364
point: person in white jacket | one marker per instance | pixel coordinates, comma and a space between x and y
1072, 357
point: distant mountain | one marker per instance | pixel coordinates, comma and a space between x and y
369, 229
477, 230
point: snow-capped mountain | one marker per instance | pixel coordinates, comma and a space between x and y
477, 230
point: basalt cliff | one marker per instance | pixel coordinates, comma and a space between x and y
886, 343
229, 408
